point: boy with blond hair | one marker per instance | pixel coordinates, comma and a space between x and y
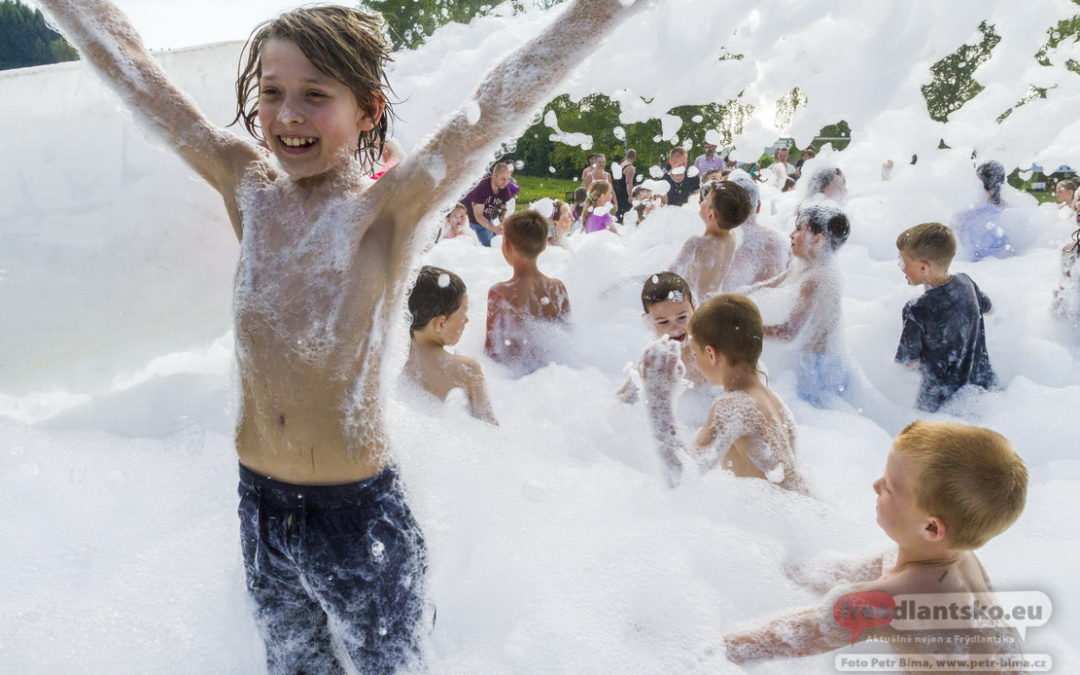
704, 259
948, 488
519, 307
749, 431
943, 334
439, 308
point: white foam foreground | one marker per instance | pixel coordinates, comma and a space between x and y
554, 545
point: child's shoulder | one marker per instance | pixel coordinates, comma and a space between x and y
465, 367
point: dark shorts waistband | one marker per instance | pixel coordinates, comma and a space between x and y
318, 497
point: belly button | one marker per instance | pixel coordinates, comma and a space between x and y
281, 420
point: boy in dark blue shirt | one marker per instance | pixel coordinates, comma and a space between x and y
943, 332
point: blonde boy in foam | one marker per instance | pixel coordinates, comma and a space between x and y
326, 254
947, 489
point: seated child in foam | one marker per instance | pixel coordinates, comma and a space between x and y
528, 300
562, 222
761, 253
947, 489
704, 260
597, 209
815, 320
439, 307
943, 334
749, 431
668, 303
457, 224
643, 202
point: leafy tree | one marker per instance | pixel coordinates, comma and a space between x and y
953, 84
26, 40
413, 21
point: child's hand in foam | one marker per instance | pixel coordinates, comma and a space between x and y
662, 367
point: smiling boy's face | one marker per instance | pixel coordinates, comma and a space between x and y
671, 318
310, 121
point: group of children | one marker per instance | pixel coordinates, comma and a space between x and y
333, 559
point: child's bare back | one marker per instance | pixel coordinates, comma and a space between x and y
516, 308
704, 261
752, 434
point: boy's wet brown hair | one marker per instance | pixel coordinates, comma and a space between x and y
527, 231
729, 201
969, 477
345, 44
826, 220
928, 241
665, 287
731, 324
429, 299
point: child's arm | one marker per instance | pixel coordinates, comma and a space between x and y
909, 351
661, 365
494, 300
821, 575
509, 92
106, 39
563, 298
804, 633
769, 283
799, 314
479, 403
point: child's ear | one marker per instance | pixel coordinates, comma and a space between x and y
369, 116
438, 322
712, 354
934, 530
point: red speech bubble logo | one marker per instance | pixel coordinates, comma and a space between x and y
858, 611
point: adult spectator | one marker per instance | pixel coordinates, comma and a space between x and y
1065, 192
808, 154
709, 161
781, 169
486, 203
586, 173
680, 186
624, 185
598, 171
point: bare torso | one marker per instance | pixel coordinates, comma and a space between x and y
311, 311
703, 262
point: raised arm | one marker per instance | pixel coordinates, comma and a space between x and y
106, 39
661, 370
508, 94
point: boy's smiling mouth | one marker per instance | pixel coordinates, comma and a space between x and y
297, 143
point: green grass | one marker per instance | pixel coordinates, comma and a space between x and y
538, 187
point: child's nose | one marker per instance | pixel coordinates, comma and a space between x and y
877, 486
288, 114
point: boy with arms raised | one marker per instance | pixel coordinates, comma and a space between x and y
704, 260
749, 430
329, 543
943, 334
519, 307
948, 488
439, 307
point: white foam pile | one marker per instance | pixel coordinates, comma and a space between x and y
554, 545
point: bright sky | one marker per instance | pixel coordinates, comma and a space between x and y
171, 25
